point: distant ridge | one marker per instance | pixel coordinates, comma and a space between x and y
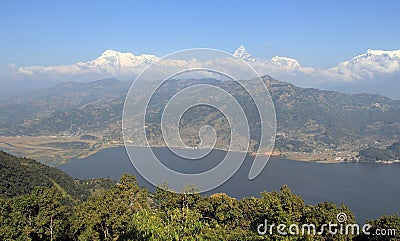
374, 67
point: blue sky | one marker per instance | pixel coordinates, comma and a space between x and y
317, 33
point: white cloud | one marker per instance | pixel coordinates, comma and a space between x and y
369, 66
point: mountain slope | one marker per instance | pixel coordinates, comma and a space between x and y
20, 175
319, 118
62, 97
308, 120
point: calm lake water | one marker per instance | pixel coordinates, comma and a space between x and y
369, 190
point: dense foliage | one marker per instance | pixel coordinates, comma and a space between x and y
128, 212
42, 203
19, 175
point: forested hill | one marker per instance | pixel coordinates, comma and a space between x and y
125, 211
20, 175
310, 117
308, 120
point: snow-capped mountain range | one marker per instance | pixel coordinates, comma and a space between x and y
283, 62
369, 65
114, 58
372, 67
373, 63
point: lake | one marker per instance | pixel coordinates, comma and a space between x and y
370, 190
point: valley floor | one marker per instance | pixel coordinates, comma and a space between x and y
55, 150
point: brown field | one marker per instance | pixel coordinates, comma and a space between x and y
50, 149
58, 150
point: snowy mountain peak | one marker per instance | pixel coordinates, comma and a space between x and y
242, 53
376, 55
371, 66
110, 52
288, 63
387, 53
115, 58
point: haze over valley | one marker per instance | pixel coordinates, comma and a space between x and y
77, 119
200, 120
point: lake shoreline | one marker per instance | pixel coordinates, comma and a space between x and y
293, 156
55, 156
361, 186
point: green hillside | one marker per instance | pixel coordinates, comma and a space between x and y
19, 175
33, 207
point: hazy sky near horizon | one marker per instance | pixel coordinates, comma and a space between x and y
317, 33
